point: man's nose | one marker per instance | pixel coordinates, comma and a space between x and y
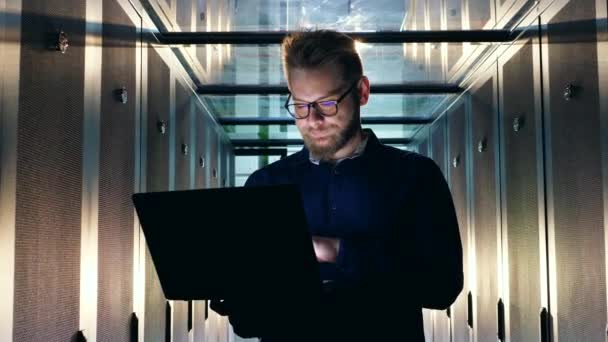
315, 114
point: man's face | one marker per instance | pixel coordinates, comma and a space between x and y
324, 135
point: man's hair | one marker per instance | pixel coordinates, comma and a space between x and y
322, 48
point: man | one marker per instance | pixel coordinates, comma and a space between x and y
383, 223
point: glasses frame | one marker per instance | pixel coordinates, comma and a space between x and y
315, 104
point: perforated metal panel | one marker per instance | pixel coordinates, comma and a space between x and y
116, 176
158, 112
180, 321
423, 148
230, 157
457, 162
213, 158
576, 171
485, 210
157, 180
232, 166
198, 322
49, 174
183, 112
201, 165
224, 164
521, 195
155, 324
441, 331
438, 132
427, 318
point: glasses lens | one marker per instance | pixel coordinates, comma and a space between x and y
327, 108
297, 110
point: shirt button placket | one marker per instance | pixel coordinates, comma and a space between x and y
332, 194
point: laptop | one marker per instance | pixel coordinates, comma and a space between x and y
220, 243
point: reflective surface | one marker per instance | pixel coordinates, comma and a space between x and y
435, 63
272, 105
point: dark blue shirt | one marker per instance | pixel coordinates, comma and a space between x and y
393, 212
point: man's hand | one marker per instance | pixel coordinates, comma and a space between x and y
326, 249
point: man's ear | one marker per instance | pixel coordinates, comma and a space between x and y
364, 91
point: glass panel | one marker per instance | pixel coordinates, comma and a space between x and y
382, 63
272, 105
270, 15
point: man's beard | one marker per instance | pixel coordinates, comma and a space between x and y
336, 141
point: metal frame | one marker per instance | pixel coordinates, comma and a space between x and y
90, 173
382, 37
141, 183
139, 256
407, 88
268, 121
296, 142
10, 49
601, 12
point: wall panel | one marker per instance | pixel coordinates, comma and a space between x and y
574, 162
183, 153
521, 200
117, 175
441, 324
485, 210
157, 179
457, 164
49, 174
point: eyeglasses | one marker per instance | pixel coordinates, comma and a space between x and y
325, 108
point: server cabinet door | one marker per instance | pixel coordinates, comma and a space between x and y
427, 315
183, 153
522, 195
49, 172
485, 211
438, 143
441, 323
157, 179
180, 321
116, 173
224, 163
214, 151
423, 147
457, 164
575, 204
198, 320
231, 166
201, 149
